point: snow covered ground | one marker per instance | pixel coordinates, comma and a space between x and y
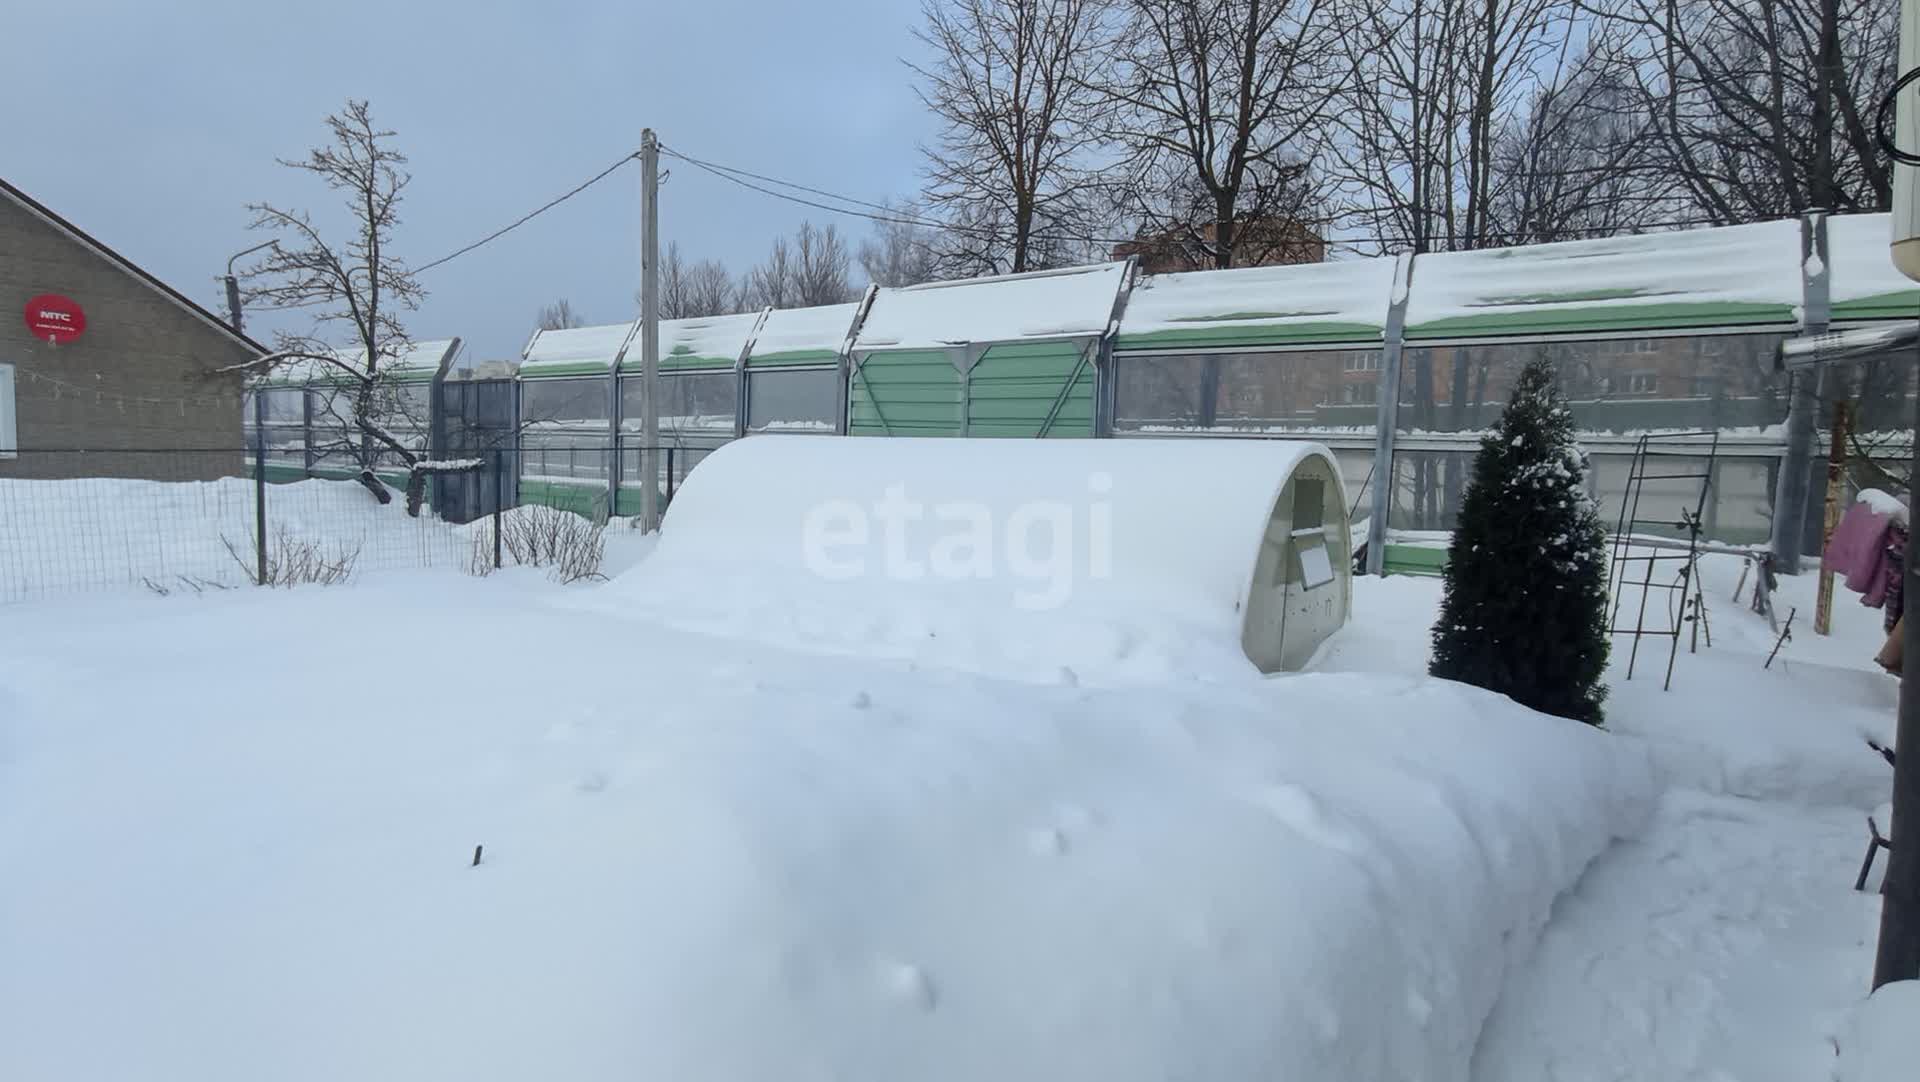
233, 854
1725, 943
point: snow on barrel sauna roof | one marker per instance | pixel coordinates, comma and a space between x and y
1742, 275
1068, 303
802, 335
1865, 285
1345, 301
1132, 557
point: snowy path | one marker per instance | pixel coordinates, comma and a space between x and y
1725, 943
1721, 946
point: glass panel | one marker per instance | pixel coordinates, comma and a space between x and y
1617, 390
1160, 392
1616, 386
692, 404
284, 405
546, 401
1312, 389
563, 456
789, 400
1309, 504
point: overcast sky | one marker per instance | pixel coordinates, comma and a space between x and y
151, 125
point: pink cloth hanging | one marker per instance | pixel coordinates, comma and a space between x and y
1858, 549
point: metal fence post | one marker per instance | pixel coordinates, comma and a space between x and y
260, 487
499, 471
1387, 418
1790, 492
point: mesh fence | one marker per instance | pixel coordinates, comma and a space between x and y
176, 521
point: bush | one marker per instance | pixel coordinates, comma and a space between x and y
1525, 610
571, 547
293, 562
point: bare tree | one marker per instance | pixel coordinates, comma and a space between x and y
1574, 160
1430, 84
1011, 81
774, 283
900, 253
674, 286
1759, 108
560, 316
688, 290
355, 289
821, 266
1218, 106
710, 290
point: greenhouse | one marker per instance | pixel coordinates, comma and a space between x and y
1396, 364
1009, 356
300, 415
720, 378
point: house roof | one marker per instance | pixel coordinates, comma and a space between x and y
46, 214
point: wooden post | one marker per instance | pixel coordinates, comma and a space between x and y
1836, 473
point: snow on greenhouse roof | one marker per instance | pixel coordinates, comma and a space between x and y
421, 360
802, 335
576, 350
1733, 275
702, 341
1044, 304
1310, 302
1864, 283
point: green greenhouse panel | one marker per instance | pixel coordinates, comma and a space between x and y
1034, 389
906, 393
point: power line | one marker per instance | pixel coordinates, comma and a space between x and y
531, 215
890, 215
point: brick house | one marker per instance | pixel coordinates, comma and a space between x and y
1273, 242
138, 389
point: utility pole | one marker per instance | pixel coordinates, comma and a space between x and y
649, 330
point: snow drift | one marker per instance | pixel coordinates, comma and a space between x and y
733, 863
1112, 559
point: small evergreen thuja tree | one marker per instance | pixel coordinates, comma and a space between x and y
1525, 610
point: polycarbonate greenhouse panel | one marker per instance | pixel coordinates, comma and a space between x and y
1736, 276
1865, 283
915, 392
576, 351
1073, 303
1032, 389
700, 342
1343, 301
791, 336
421, 361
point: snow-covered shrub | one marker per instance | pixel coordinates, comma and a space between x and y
292, 561
570, 546
1525, 610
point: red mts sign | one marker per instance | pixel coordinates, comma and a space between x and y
55, 318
